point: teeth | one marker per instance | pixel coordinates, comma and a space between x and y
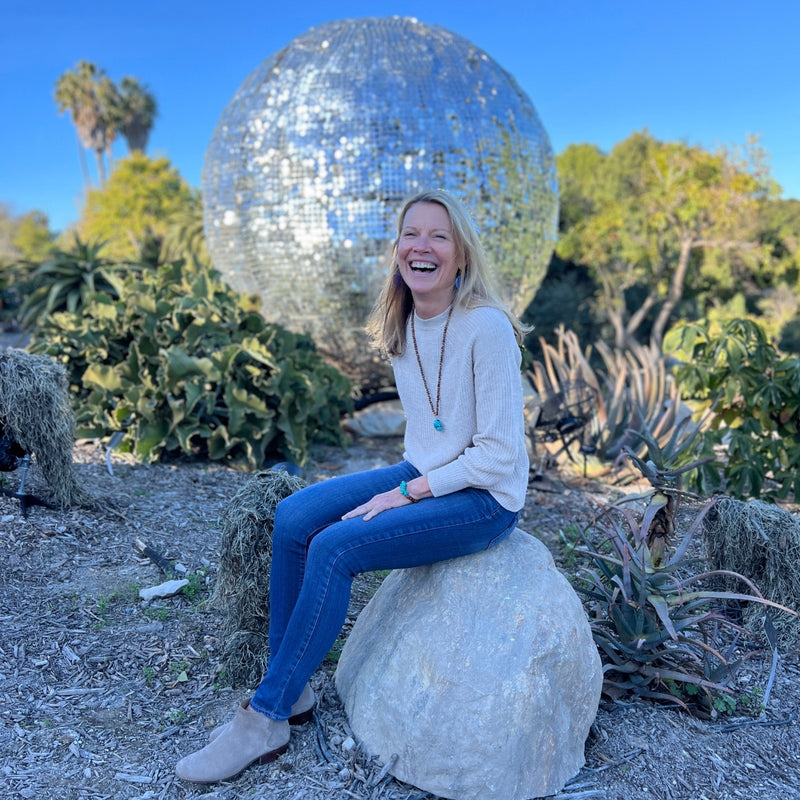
423, 266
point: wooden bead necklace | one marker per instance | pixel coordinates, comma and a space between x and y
437, 423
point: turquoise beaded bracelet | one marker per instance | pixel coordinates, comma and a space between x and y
404, 492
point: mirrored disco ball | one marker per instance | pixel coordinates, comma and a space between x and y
323, 143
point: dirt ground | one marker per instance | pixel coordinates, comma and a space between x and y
101, 693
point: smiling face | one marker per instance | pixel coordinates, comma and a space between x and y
428, 258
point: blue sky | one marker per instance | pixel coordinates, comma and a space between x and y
703, 71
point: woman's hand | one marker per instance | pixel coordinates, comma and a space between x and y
417, 488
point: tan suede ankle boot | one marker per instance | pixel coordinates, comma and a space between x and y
302, 712
250, 737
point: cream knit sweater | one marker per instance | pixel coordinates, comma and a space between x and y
482, 443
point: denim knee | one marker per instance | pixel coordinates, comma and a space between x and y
282, 526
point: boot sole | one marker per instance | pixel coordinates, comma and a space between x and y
272, 755
303, 716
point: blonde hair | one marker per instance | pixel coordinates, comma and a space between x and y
387, 322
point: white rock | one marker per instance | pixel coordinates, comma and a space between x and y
385, 419
480, 673
166, 589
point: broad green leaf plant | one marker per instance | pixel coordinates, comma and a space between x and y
181, 364
753, 392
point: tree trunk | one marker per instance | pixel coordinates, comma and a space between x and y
639, 316
87, 179
101, 168
674, 294
620, 338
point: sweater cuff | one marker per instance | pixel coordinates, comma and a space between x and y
446, 480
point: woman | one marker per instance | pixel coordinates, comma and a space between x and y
456, 359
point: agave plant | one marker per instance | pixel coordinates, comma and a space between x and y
68, 278
664, 464
661, 632
598, 416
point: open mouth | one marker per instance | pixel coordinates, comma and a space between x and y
422, 266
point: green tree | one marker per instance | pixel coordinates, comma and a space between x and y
185, 237
138, 203
24, 236
33, 238
654, 219
8, 230
754, 391
580, 187
779, 305
25, 241
91, 98
136, 111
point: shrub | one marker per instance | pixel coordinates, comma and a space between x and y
180, 363
754, 392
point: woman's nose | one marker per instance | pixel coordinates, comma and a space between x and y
422, 244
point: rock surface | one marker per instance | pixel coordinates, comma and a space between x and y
477, 677
166, 589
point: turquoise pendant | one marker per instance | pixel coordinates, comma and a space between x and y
438, 425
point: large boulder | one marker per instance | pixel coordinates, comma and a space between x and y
477, 678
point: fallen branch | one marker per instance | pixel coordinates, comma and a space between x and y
164, 564
618, 763
766, 723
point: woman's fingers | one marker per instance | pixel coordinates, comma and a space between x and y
374, 506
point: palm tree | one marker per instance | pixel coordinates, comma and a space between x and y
136, 113
90, 97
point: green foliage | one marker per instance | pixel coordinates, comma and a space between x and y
89, 95
660, 222
25, 241
135, 112
182, 364
33, 238
754, 392
580, 182
101, 110
138, 201
196, 586
660, 632
149, 675
184, 236
790, 336
67, 280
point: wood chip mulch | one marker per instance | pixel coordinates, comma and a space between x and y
101, 693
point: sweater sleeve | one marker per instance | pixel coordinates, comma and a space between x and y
497, 452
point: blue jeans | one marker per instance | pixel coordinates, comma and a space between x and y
316, 555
